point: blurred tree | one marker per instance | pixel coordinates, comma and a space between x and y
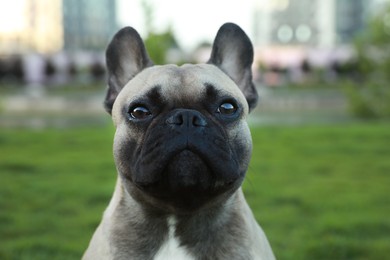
97, 71
17, 70
11, 69
148, 12
373, 46
371, 98
72, 69
50, 68
157, 44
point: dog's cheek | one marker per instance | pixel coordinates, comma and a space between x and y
241, 144
125, 149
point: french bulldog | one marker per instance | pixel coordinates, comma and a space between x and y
181, 148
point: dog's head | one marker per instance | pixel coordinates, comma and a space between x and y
182, 141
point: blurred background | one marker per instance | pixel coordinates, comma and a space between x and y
47, 45
320, 167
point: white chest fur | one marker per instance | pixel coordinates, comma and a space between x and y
171, 249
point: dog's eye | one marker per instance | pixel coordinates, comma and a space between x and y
139, 112
227, 109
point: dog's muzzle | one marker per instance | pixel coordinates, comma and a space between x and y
186, 159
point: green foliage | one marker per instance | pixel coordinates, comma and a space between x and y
371, 100
158, 45
373, 46
319, 192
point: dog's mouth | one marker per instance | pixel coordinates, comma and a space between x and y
184, 170
187, 181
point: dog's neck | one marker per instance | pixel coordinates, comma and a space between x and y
200, 233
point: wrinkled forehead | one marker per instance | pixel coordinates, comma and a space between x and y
175, 83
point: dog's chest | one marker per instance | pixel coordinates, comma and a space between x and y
171, 248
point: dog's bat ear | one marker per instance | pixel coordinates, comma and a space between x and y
126, 56
232, 52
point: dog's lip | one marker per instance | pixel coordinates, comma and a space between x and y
188, 149
203, 157
145, 185
169, 160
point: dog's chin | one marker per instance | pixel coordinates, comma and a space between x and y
187, 184
187, 170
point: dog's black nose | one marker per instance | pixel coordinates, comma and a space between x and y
186, 118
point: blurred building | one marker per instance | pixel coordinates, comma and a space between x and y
88, 24
350, 19
48, 26
30, 25
317, 23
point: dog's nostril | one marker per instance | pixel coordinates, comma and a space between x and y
198, 121
175, 120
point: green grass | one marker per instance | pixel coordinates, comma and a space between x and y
319, 192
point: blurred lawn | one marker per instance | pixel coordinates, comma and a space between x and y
320, 192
